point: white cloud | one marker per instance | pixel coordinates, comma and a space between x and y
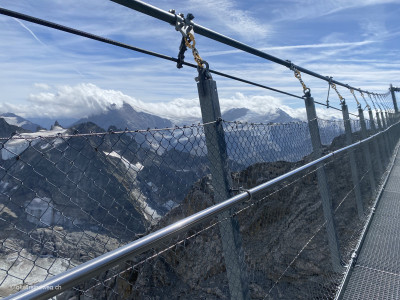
86, 99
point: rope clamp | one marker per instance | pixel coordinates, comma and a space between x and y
185, 27
354, 95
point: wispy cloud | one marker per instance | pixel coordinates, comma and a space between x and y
30, 31
42, 86
293, 47
312, 9
226, 14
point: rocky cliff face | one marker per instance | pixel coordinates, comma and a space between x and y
283, 236
6, 130
75, 198
66, 199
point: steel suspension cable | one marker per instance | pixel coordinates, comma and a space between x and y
171, 19
91, 36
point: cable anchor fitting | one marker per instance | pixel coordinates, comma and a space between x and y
342, 100
185, 27
354, 95
373, 103
297, 74
329, 89
366, 103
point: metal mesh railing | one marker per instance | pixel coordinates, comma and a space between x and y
68, 196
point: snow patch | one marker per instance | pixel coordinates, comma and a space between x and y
149, 213
14, 121
136, 167
5, 210
170, 204
153, 186
18, 144
3, 185
41, 211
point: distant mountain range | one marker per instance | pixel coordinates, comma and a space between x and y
127, 117
121, 118
247, 115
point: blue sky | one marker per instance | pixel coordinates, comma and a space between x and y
50, 73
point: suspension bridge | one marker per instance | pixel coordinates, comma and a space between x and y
216, 210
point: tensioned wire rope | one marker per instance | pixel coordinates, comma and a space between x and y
63, 28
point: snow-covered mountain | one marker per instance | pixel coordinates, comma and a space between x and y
6, 130
247, 115
15, 120
126, 117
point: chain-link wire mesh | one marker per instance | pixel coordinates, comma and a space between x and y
284, 243
67, 198
329, 130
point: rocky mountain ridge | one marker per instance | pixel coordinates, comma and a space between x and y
246, 115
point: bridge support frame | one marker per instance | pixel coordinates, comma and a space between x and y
375, 143
222, 183
392, 90
385, 124
383, 138
366, 151
323, 185
353, 164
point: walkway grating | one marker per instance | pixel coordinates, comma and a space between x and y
376, 274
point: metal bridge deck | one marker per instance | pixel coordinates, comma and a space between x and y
376, 274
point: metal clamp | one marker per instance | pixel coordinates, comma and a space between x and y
185, 27
242, 190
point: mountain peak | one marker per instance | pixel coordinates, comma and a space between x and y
126, 117
15, 120
246, 115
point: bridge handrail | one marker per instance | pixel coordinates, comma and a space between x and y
78, 274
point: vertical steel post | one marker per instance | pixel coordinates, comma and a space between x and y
389, 122
375, 143
383, 120
388, 119
323, 185
395, 116
383, 137
387, 134
365, 147
222, 183
353, 165
396, 109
